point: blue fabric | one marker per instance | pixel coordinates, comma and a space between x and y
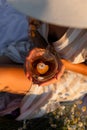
13, 25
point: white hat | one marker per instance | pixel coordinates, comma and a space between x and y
71, 13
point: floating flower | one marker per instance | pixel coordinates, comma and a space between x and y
42, 68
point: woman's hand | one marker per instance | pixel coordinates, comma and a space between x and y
31, 56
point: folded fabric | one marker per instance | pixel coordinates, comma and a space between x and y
13, 25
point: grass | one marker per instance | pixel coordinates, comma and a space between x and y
44, 123
66, 117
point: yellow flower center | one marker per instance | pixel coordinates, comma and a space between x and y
42, 68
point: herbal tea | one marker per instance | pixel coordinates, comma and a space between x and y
42, 66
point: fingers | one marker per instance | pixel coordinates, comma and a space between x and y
34, 53
61, 69
39, 52
29, 59
28, 76
26, 69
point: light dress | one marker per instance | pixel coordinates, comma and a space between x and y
71, 87
15, 44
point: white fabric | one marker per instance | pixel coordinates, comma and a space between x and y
41, 100
70, 13
71, 86
73, 45
15, 42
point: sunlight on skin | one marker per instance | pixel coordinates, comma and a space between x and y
13, 80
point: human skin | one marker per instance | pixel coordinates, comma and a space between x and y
32, 54
13, 79
63, 65
79, 68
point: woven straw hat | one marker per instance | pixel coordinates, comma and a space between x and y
71, 13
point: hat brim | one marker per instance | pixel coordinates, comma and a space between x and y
58, 12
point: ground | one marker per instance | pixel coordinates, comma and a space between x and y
66, 117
